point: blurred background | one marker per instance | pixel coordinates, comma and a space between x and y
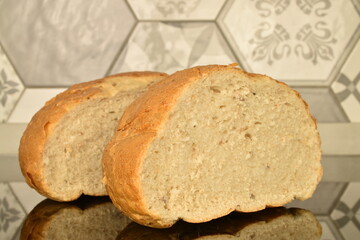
312, 45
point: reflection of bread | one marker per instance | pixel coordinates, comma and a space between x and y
85, 218
209, 140
269, 224
60, 152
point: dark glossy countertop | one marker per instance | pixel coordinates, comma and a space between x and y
97, 218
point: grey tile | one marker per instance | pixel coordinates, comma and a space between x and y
346, 214
324, 198
300, 42
323, 105
59, 43
347, 85
329, 230
12, 212
341, 168
176, 9
10, 87
171, 46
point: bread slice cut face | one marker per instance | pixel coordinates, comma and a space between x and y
210, 140
61, 149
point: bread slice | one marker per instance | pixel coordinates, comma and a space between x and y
269, 224
85, 218
60, 151
210, 140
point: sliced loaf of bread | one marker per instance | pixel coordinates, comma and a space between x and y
210, 140
269, 224
85, 218
61, 149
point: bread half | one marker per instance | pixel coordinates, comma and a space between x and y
61, 149
269, 224
85, 218
210, 140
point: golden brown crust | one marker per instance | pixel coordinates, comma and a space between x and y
44, 121
139, 126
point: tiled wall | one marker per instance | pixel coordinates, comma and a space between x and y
313, 45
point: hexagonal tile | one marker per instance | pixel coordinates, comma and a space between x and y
176, 9
11, 211
30, 102
319, 97
168, 47
347, 85
299, 42
346, 214
63, 42
10, 87
329, 230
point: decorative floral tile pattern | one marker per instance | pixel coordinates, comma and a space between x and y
11, 212
346, 214
30, 102
27, 196
168, 47
10, 87
300, 42
176, 9
347, 85
59, 43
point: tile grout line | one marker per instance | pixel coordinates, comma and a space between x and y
230, 39
228, 44
220, 10
16, 104
20, 79
17, 199
19, 229
132, 10
337, 199
338, 103
356, 5
225, 8
344, 56
121, 49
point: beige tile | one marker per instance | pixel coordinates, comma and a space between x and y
340, 138
169, 47
30, 102
341, 168
329, 230
347, 85
59, 43
12, 214
346, 211
28, 197
299, 42
176, 9
10, 87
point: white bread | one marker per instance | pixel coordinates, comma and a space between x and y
210, 140
269, 224
60, 151
85, 218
